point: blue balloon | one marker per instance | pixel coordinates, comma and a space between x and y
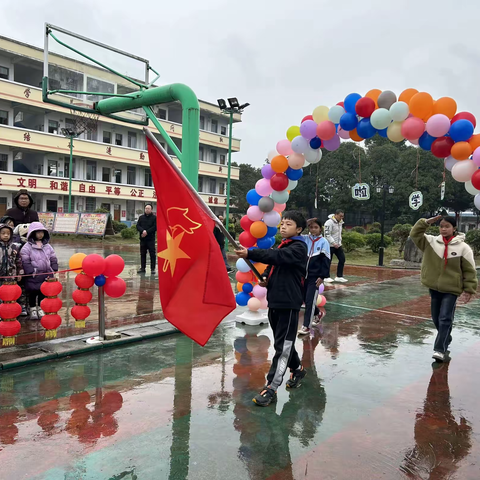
247, 287
265, 242
272, 242
294, 174
461, 130
383, 133
315, 143
253, 197
348, 122
242, 299
100, 280
365, 128
271, 231
425, 141
350, 102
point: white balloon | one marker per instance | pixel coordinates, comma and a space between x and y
280, 197
242, 265
317, 158
449, 162
462, 171
335, 113
399, 111
292, 184
272, 154
471, 189
381, 118
300, 144
476, 201
272, 219
310, 155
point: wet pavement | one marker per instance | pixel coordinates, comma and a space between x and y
371, 407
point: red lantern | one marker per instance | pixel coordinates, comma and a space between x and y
10, 293
50, 322
51, 305
51, 287
93, 265
10, 310
8, 330
279, 182
114, 265
115, 287
82, 296
83, 280
80, 312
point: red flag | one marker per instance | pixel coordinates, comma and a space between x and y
195, 290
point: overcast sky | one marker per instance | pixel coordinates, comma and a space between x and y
285, 58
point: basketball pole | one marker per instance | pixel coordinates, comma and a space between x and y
70, 176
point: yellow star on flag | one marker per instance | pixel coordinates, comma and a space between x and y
173, 252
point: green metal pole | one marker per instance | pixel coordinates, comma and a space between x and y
70, 176
228, 175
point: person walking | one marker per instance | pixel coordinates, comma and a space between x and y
448, 271
220, 238
147, 227
22, 212
333, 234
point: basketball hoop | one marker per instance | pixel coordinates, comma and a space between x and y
83, 122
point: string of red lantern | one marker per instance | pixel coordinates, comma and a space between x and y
82, 296
51, 304
9, 311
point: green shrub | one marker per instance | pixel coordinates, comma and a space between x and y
373, 241
374, 231
374, 226
473, 239
400, 234
101, 210
118, 226
352, 240
360, 230
129, 232
278, 239
433, 230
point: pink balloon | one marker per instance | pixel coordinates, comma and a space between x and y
476, 157
254, 304
308, 129
284, 147
326, 130
259, 292
438, 125
279, 207
413, 128
263, 303
254, 213
263, 187
296, 161
343, 133
414, 141
332, 144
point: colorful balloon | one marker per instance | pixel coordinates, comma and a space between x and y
355, 136
407, 95
247, 288
254, 304
335, 114
438, 125
320, 114
449, 162
365, 107
279, 164
93, 264
380, 118
465, 116
326, 130
386, 99
476, 180
476, 201
267, 171
332, 144
245, 223
461, 151
446, 106
263, 187
296, 161
394, 132
476, 157
374, 94
300, 144
399, 111
426, 141
279, 181
258, 229
441, 147
461, 130
308, 129
470, 188
421, 105
348, 122
266, 204
280, 197
254, 213
293, 132
242, 299
463, 171
253, 197
114, 265
413, 128
247, 240
350, 102
315, 143
242, 266
279, 207
76, 260
272, 219
284, 147
115, 287
364, 127
294, 174
259, 292
343, 133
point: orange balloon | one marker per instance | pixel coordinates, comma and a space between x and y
279, 163
258, 229
421, 105
355, 136
407, 95
239, 286
446, 106
461, 151
474, 141
261, 267
374, 94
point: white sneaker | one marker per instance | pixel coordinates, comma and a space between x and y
316, 321
33, 313
41, 313
341, 279
304, 331
328, 280
439, 356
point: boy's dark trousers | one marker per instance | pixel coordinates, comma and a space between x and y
338, 252
284, 323
148, 245
443, 310
311, 294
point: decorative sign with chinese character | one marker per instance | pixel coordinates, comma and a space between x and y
442, 190
361, 191
66, 223
93, 224
415, 200
47, 219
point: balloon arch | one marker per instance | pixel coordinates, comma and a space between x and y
415, 116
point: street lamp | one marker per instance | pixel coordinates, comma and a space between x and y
381, 251
235, 107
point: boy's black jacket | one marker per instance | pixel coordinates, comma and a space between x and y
286, 272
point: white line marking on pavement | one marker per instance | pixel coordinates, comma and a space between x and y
378, 310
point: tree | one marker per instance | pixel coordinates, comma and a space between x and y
238, 189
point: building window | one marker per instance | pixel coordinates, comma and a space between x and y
51, 205
213, 186
52, 170
65, 203
131, 175
107, 137
213, 154
132, 140
200, 184
117, 175
214, 126
67, 167
221, 188
162, 114
118, 139
200, 154
3, 117
92, 135
223, 130
105, 174
148, 177
222, 159
130, 210
4, 72
202, 122
91, 170
52, 127
3, 162
90, 204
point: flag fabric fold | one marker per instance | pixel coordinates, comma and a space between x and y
195, 290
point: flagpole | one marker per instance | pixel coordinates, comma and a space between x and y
200, 200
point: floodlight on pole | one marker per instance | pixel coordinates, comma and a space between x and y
233, 102
222, 104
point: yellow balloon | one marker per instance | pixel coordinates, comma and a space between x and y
394, 132
76, 260
320, 114
293, 132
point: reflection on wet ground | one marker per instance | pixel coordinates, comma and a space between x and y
371, 407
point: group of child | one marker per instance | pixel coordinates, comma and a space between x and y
26, 257
302, 262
